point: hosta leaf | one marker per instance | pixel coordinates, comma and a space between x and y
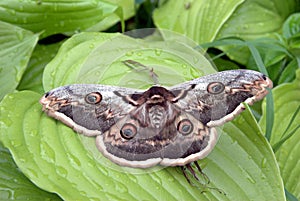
258, 18
32, 78
205, 21
287, 100
14, 185
255, 19
51, 17
16, 46
196, 19
125, 10
59, 160
82, 60
242, 18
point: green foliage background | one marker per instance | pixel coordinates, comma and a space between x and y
46, 43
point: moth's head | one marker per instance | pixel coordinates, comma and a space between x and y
153, 96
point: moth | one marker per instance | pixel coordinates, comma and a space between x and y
160, 126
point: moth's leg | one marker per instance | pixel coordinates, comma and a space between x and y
202, 173
183, 168
190, 168
192, 171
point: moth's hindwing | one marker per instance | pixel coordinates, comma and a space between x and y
178, 143
171, 127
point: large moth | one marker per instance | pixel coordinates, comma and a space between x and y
160, 126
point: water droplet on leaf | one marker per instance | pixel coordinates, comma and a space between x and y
158, 52
251, 179
121, 188
61, 171
263, 163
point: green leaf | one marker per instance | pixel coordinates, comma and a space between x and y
290, 197
16, 46
223, 64
255, 19
258, 18
254, 156
198, 19
269, 99
78, 61
124, 11
14, 185
204, 21
291, 26
51, 17
59, 160
263, 51
291, 32
32, 78
287, 100
288, 74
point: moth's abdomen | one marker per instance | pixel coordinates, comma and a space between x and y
157, 116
